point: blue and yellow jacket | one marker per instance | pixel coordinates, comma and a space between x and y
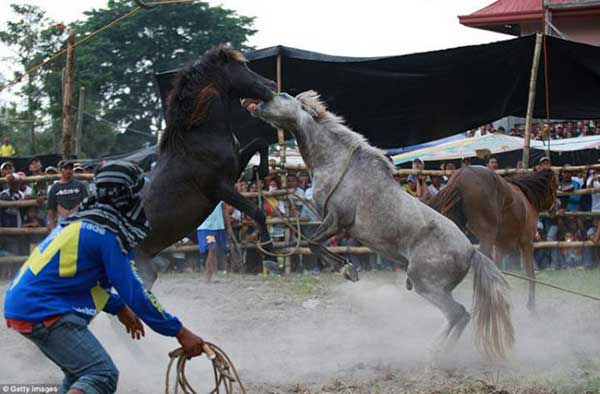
73, 270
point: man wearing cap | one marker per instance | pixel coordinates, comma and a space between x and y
65, 195
544, 162
7, 150
67, 281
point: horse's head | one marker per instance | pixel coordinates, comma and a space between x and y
221, 73
288, 113
235, 79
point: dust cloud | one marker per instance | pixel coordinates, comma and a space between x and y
279, 334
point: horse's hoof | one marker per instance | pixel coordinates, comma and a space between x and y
350, 272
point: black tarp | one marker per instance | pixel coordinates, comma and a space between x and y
404, 100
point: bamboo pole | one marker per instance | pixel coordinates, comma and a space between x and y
43, 178
286, 247
21, 203
24, 231
507, 171
67, 133
531, 99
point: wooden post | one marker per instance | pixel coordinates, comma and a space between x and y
531, 100
79, 128
67, 133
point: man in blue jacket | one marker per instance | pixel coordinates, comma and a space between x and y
67, 280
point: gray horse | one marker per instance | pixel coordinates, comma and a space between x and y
355, 191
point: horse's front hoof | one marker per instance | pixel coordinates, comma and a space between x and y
350, 272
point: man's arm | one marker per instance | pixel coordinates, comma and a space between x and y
122, 274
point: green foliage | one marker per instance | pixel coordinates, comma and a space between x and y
116, 67
32, 37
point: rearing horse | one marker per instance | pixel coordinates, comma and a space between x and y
502, 213
199, 157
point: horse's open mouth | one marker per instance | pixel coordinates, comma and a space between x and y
251, 105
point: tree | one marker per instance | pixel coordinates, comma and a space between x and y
33, 38
117, 66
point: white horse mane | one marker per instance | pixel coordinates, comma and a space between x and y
313, 104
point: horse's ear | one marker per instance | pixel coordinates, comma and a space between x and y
311, 103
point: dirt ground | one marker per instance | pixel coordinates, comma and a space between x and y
311, 334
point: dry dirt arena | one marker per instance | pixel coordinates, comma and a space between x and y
320, 334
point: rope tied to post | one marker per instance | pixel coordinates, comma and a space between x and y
225, 373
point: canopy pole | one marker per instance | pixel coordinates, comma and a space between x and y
282, 160
531, 101
547, 32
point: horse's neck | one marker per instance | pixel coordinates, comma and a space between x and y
319, 149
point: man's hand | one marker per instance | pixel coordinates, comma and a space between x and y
191, 343
132, 323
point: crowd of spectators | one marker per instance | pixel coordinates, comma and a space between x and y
53, 200
58, 199
556, 130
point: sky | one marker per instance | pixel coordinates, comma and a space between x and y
336, 27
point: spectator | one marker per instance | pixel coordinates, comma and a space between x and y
32, 218
38, 189
465, 162
492, 163
25, 188
212, 238
568, 184
274, 207
544, 162
448, 166
435, 186
7, 150
11, 217
65, 195
292, 183
411, 186
417, 164
7, 169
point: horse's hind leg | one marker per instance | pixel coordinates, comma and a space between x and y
456, 315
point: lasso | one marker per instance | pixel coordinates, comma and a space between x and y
224, 371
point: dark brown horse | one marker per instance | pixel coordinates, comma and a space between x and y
502, 213
199, 158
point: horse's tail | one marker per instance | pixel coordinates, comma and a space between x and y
448, 202
491, 309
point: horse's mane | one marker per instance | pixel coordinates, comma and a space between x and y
536, 186
311, 102
194, 87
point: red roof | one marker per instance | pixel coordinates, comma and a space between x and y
508, 12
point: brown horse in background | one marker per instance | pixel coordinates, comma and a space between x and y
502, 213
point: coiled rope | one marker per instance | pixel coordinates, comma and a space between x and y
225, 373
